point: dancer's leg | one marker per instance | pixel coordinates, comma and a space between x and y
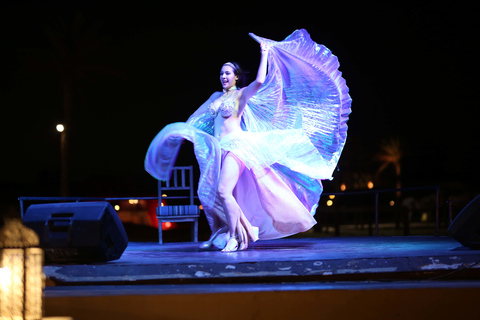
231, 170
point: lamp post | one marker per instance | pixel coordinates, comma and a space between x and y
21, 276
63, 161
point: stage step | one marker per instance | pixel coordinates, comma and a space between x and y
352, 300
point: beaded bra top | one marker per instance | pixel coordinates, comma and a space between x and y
226, 108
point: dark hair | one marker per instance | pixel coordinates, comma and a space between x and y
242, 75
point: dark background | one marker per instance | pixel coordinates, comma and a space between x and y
411, 66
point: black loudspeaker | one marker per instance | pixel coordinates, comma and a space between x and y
77, 231
465, 228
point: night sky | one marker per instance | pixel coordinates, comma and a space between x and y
411, 66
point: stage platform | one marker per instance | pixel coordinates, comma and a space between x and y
274, 261
418, 277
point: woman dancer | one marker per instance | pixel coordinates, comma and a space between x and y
227, 109
264, 149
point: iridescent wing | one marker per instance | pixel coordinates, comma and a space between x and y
303, 88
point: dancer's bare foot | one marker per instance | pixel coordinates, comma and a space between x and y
232, 245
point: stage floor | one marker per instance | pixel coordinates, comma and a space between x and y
279, 261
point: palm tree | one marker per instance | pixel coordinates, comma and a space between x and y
390, 154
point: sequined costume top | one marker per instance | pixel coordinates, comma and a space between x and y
294, 130
226, 107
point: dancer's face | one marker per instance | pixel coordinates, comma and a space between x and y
228, 77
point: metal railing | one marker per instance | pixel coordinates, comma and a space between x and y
73, 199
80, 199
348, 193
379, 191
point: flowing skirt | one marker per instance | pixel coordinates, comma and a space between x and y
278, 191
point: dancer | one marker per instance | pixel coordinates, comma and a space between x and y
227, 109
264, 149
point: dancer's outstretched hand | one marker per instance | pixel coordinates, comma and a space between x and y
265, 47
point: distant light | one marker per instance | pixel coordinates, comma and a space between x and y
332, 196
164, 195
200, 207
343, 187
329, 203
117, 207
392, 203
370, 185
60, 127
167, 225
133, 201
424, 217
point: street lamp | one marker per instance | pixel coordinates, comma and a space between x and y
60, 127
63, 160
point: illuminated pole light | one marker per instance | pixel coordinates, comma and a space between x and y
370, 185
329, 203
133, 201
392, 203
63, 160
117, 207
343, 187
332, 196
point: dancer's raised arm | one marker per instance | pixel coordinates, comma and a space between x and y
253, 87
